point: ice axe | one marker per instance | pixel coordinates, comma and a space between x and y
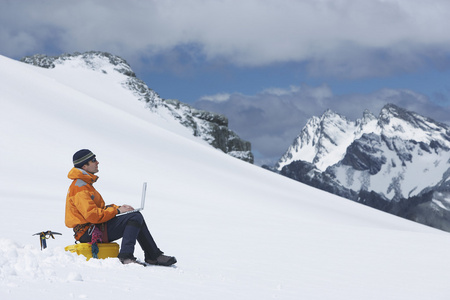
45, 235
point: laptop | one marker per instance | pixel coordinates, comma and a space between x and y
144, 190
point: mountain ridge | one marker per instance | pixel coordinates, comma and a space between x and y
397, 162
211, 127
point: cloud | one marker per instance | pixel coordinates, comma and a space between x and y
218, 98
273, 118
350, 38
331, 39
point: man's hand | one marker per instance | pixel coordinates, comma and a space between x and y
125, 208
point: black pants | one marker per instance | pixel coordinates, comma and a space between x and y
131, 228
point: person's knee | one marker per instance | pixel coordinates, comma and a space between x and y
136, 219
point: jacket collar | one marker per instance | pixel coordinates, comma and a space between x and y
76, 173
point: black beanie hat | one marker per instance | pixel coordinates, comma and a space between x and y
82, 157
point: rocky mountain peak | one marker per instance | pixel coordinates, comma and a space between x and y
397, 122
391, 112
94, 60
322, 141
398, 162
105, 63
368, 116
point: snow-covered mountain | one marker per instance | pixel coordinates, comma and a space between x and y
237, 230
323, 141
381, 161
211, 127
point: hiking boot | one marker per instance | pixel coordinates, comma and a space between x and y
162, 260
127, 259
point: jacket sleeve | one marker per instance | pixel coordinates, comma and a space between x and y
113, 205
90, 211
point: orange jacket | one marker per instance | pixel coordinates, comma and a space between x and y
84, 204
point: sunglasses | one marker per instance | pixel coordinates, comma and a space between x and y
94, 160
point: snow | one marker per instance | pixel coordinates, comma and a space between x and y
400, 128
328, 148
237, 230
304, 146
441, 200
423, 171
324, 142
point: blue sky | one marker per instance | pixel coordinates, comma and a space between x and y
268, 65
201, 82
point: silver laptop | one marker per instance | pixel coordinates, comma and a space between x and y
144, 190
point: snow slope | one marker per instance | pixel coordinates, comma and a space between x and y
237, 230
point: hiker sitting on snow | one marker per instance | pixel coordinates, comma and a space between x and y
85, 207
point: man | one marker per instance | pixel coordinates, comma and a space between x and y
86, 210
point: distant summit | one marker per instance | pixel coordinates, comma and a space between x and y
398, 162
211, 127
